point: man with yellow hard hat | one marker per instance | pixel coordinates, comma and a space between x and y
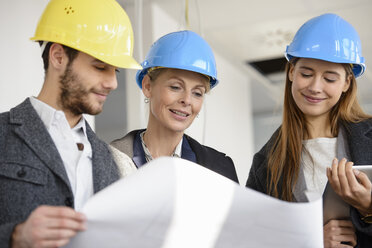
51, 161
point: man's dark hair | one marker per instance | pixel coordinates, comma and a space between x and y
70, 52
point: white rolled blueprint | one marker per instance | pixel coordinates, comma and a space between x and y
174, 203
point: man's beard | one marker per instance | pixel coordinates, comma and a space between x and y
74, 97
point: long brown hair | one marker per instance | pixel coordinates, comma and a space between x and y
285, 154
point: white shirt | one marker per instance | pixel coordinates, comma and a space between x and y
78, 164
322, 152
176, 153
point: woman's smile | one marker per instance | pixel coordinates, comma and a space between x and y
179, 114
312, 99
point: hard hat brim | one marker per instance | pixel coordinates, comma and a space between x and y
121, 61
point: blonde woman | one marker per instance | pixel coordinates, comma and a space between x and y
177, 73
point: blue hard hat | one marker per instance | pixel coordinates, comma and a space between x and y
184, 50
328, 37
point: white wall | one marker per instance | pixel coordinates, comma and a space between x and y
136, 109
21, 66
229, 124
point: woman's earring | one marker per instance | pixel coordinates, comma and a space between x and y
146, 100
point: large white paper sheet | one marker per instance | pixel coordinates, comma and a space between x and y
174, 203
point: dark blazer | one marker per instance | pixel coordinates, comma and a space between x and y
192, 150
32, 172
359, 141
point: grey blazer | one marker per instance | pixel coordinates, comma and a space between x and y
32, 172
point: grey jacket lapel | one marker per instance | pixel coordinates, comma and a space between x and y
342, 145
29, 127
105, 170
342, 149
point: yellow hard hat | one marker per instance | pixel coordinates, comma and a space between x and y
100, 28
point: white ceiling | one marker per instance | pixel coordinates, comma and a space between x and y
246, 30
